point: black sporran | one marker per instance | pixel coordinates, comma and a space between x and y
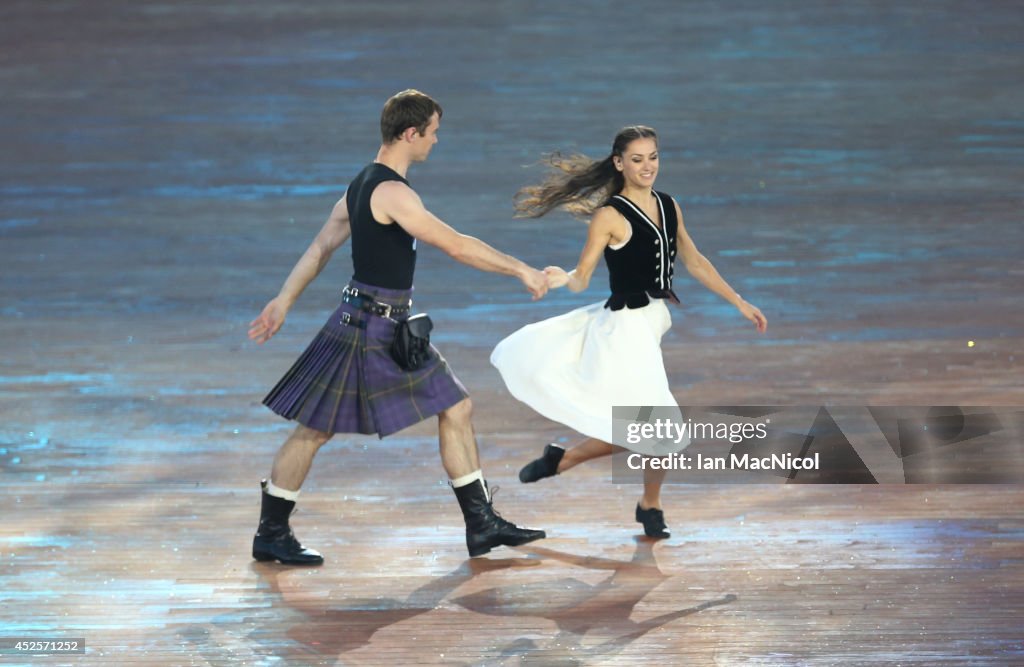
411, 347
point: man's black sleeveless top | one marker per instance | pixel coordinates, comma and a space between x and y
642, 268
382, 255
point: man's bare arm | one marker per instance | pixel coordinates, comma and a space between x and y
332, 235
400, 204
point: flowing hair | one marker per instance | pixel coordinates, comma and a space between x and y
578, 184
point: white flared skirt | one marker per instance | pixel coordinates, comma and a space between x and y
575, 367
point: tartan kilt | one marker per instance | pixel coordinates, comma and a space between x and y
347, 382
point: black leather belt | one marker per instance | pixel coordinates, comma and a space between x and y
368, 304
347, 319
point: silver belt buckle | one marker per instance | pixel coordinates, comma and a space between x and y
387, 310
346, 318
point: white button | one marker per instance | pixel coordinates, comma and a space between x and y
658, 241
658, 255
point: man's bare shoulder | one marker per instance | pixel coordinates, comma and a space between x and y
393, 200
394, 190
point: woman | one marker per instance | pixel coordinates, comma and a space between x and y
573, 368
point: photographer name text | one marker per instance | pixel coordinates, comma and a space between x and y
682, 461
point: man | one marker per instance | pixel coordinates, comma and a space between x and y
346, 381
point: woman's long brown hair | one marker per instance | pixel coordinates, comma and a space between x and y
578, 183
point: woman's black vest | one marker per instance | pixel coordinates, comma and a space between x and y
642, 269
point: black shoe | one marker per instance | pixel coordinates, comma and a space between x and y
485, 529
545, 466
285, 548
654, 522
274, 539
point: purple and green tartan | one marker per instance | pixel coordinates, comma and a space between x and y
347, 382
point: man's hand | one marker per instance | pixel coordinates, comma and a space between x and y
536, 282
269, 322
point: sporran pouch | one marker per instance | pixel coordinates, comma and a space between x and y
411, 347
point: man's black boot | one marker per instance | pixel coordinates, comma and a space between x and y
274, 539
485, 529
545, 466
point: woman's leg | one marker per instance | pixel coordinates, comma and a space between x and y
557, 459
648, 510
591, 448
653, 479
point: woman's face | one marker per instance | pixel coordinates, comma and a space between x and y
639, 163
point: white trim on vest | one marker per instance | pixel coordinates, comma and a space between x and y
661, 233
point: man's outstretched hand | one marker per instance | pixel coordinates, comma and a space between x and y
269, 321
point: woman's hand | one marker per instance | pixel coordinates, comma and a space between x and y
557, 277
752, 313
269, 322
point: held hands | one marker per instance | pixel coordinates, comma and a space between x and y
535, 281
269, 322
752, 313
556, 277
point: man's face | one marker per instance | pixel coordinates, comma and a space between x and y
422, 143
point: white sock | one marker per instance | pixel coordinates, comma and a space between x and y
278, 492
466, 480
